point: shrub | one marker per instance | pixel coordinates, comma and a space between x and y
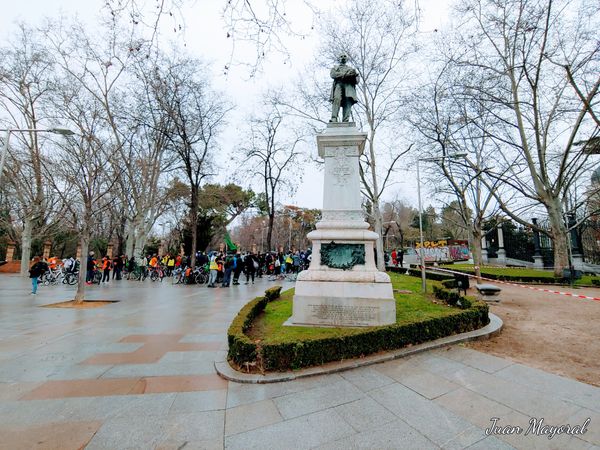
296, 354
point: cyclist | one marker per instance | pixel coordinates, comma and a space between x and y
170, 265
69, 264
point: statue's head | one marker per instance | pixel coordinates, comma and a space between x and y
343, 58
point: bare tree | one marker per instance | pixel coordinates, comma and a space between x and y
79, 172
25, 82
270, 155
450, 123
378, 36
197, 114
530, 55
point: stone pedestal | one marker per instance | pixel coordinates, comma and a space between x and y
109, 250
47, 247
10, 251
342, 286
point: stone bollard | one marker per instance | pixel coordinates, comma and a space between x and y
47, 247
10, 250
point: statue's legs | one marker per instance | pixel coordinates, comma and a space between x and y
346, 111
337, 101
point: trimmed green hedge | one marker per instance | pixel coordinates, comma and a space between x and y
311, 352
241, 348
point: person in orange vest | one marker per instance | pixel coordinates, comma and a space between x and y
153, 261
53, 262
106, 264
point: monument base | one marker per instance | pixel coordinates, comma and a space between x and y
343, 304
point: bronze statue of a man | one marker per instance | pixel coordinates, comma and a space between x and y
343, 91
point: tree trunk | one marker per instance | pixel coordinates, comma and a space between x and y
194, 224
270, 231
558, 232
26, 246
85, 244
141, 238
476, 235
379, 243
130, 242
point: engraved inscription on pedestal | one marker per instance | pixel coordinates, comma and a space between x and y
358, 315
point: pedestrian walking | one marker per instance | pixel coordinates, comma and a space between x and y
38, 268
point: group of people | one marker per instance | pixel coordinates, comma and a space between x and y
221, 267
397, 257
229, 267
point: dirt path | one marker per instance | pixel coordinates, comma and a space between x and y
555, 333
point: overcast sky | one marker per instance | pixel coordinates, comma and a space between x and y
205, 36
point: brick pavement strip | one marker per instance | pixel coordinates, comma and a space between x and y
70, 378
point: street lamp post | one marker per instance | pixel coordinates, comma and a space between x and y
421, 254
8, 131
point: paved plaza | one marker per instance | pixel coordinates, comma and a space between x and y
139, 374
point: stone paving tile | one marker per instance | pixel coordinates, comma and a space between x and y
438, 424
12, 391
425, 383
319, 398
525, 400
201, 338
177, 357
303, 432
366, 378
593, 430
31, 412
119, 406
251, 416
184, 383
160, 369
137, 432
475, 359
189, 402
393, 435
490, 443
574, 391
473, 407
241, 393
364, 414
84, 388
50, 436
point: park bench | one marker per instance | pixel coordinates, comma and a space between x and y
489, 292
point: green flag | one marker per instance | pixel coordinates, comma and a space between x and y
230, 245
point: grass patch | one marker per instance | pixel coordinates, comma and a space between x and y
268, 326
259, 342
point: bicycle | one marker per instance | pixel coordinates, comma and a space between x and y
157, 273
201, 275
51, 276
71, 278
178, 275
